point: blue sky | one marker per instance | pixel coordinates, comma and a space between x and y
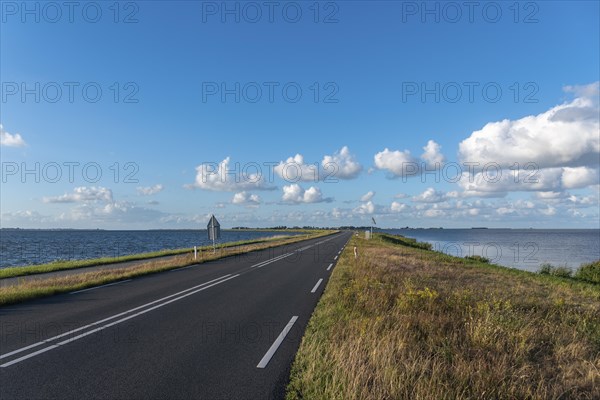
379, 81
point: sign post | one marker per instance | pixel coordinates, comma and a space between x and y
214, 231
374, 223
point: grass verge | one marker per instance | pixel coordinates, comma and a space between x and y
12, 272
402, 322
35, 288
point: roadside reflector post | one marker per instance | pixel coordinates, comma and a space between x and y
195, 252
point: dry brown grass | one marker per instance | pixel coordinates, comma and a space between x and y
405, 323
33, 288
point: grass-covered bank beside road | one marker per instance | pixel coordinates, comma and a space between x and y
35, 288
402, 322
10, 272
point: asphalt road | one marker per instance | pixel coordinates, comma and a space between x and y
227, 329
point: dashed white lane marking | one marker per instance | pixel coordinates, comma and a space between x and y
272, 260
317, 285
267, 357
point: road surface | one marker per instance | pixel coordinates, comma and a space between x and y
226, 329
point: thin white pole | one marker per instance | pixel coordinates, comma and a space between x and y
213, 237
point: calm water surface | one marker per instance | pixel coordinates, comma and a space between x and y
519, 248
25, 247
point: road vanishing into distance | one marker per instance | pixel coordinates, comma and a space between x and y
226, 329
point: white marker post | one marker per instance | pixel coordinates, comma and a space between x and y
195, 252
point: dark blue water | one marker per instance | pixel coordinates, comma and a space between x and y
26, 247
518, 248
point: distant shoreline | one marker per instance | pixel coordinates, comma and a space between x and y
288, 229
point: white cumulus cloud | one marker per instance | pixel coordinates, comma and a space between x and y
589, 91
10, 140
294, 169
246, 198
342, 164
433, 154
367, 196
430, 195
224, 177
366, 208
399, 163
295, 194
83, 194
398, 207
403, 164
149, 190
434, 213
542, 180
579, 177
563, 136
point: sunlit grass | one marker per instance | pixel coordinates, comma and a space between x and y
401, 322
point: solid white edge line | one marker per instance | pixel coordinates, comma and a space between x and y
267, 357
317, 285
101, 286
182, 268
17, 360
330, 265
106, 319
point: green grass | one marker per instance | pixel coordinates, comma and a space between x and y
402, 322
404, 241
73, 264
35, 288
561, 272
478, 259
589, 272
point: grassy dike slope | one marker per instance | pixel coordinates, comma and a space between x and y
30, 289
11, 272
401, 322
